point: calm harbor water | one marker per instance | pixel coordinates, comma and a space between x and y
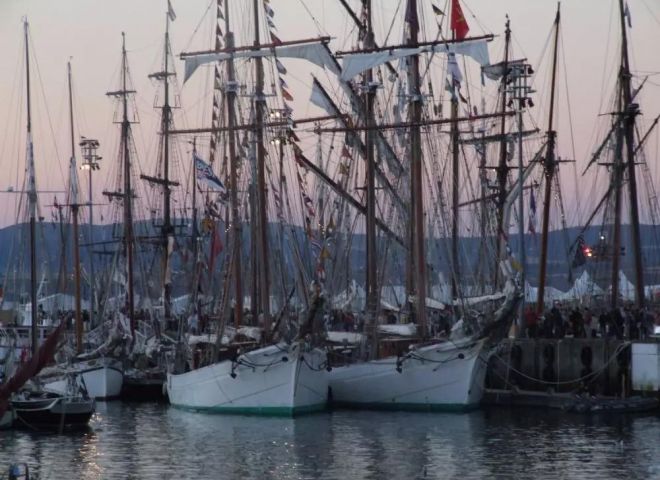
148, 441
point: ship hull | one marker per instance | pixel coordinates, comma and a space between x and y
102, 378
439, 377
274, 381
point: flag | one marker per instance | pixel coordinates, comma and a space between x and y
626, 13
205, 173
286, 95
280, 67
437, 11
458, 23
579, 259
532, 213
170, 11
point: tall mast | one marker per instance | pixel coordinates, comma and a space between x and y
73, 202
167, 229
455, 262
32, 199
128, 191
231, 89
262, 220
416, 183
550, 165
502, 167
630, 111
370, 137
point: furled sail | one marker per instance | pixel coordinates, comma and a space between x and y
316, 53
356, 63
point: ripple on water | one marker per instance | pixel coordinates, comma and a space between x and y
150, 441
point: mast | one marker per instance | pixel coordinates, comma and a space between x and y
455, 262
263, 269
231, 90
73, 201
630, 111
128, 191
167, 229
550, 165
502, 167
372, 266
416, 182
32, 199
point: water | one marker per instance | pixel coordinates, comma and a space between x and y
148, 441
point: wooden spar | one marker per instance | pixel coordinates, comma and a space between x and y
262, 46
550, 164
230, 92
262, 214
128, 197
424, 123
416, 180
253, 126
32, 198
502, 167
373, 290
76, 239
410, 45
630, 111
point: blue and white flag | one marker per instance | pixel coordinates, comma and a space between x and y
205, 173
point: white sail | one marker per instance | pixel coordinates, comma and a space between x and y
354, 64
316, 53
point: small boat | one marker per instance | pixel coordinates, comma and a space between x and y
43, 410
101, 377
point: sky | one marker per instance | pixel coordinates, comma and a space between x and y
88, 32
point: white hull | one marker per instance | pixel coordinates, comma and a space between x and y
101, 377
274, 380
441, 376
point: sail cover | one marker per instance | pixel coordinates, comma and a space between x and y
316, 53
354, 64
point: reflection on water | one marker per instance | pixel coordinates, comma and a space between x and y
147, 441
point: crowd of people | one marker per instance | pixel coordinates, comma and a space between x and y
626, 322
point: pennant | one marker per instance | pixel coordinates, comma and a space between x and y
411, 14
286, 95
275, 39
437, 11
280, 67
458, 24
170, 11
626, 13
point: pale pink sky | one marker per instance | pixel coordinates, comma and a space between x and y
89, 31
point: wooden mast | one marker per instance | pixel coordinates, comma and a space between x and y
550, 165
167, 229
73, 201
128, 190
502, 167
416, 182
630, 111
370, 136
231, 89
263, 269
32, 199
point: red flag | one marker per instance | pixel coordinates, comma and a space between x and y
216, 246
286, 95
458, 23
